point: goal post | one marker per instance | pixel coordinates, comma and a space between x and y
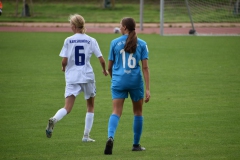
162, 17
191, 31
195, 13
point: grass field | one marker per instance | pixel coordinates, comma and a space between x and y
93, 12
193, 112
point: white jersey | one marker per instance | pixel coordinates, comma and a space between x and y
79, 49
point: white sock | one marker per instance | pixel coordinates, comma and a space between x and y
88, 123
60, 114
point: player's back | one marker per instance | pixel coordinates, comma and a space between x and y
126, 69
79, 49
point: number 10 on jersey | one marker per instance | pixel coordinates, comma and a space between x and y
79, 56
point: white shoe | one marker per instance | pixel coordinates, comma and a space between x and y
84, 139
49, 128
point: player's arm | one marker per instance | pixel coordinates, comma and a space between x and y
146, 76
110, 64
64, 63
103, 64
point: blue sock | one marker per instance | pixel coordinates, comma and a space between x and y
112, 125
137, 129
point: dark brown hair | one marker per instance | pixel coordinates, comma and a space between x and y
131, 43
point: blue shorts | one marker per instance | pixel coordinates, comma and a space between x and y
135, 94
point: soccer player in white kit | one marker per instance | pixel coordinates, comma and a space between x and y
79, 76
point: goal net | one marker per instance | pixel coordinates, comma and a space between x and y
199, 13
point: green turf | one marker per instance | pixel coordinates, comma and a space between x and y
193, 112
93, 12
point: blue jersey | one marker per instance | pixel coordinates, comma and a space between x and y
126, 71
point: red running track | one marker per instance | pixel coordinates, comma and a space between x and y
147, 30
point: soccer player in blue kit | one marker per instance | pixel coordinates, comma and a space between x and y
125, 54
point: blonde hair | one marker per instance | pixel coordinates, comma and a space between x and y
78, 21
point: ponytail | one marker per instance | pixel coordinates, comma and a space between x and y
131, 43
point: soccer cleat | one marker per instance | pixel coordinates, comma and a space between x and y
138, 148
109, 146
84, 139
49, 129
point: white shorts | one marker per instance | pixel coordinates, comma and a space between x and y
89, 90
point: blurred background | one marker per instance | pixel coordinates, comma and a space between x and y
111, 11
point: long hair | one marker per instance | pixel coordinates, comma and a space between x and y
131, 43
78, 21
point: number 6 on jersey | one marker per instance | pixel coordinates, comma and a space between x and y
79, 56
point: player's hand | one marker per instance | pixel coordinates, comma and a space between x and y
63, 69
105, 72
147, 96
